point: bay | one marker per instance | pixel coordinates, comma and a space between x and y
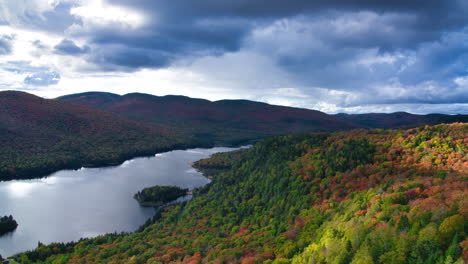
72, 204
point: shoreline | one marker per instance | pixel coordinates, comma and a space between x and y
154, 217
46, 172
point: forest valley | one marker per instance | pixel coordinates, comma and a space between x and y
361, 196
40, 136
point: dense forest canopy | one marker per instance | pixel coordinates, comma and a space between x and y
159, 195
39, 136
7, 224
363, 196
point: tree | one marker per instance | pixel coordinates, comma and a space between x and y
449, 227
454, 250
403, 224
363, 256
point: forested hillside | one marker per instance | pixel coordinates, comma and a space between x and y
39, 136
363, 196
234, 121
205, 122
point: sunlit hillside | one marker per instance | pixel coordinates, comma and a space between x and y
364, 196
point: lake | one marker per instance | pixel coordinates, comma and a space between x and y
71, 204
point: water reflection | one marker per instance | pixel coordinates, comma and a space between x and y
19, 189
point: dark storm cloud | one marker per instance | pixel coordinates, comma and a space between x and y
431, 14
68, 47
441, 60
278, 8
224, 34
127, 59
6, 42
192, 28
164, 43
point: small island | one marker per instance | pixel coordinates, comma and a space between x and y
159, 195
7, 224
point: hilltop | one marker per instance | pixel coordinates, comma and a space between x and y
222, 122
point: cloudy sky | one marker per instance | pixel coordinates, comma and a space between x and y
332, 55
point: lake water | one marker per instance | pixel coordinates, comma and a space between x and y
71, 204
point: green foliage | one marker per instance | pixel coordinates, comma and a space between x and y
7, 224
403, 224
450, 227
352, 197
159, 195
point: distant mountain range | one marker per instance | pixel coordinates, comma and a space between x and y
199, 116
220, 122
38, 136
401, 119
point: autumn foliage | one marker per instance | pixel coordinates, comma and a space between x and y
363, 196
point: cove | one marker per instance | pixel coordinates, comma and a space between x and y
73, 204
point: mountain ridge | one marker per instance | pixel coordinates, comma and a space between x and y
216, 120
365, 120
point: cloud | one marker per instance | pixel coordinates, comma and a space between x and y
50, 16
17, 12
68, 47
392, 108
419, 13
6, 44
21, 67
42, 79
169, 31
99, 12
317, 53
39, 45
350, 55
164, 44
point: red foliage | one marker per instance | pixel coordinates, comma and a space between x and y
242, 231
413, 193
291, 234
360, 213
195, 259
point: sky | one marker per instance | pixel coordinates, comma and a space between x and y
353, 56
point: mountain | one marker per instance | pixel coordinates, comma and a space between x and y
222, 122
233, 121
39, 136
400, 119
360, 196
